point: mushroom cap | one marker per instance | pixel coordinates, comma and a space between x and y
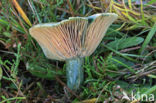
74, 37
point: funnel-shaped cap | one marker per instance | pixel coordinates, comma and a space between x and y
74, 37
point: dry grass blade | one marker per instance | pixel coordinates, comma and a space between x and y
0, 4
130, 13
70, 7
21, 12
20, 21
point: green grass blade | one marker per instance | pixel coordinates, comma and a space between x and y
11, 99
129, 68
118, 53
148, 38
125, 42
150, 2
151, 90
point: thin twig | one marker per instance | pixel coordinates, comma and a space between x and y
130, 49
70, 7
62, 83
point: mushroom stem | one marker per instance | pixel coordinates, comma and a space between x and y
74, 72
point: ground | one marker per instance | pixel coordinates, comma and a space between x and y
121, 70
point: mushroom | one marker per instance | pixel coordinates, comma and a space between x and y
71, 40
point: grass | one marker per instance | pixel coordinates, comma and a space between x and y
124, 63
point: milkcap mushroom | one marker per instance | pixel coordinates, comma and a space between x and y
71, 40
